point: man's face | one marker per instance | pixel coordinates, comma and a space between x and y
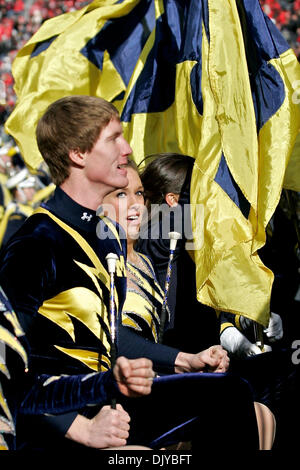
103, 164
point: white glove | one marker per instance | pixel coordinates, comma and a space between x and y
274, 331
237, 344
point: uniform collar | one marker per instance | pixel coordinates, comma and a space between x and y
64, 207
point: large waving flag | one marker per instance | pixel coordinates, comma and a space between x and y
210, 78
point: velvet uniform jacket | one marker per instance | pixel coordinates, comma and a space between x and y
63, 298
60, 293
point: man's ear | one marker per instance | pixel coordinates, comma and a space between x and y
77, 157
172, 199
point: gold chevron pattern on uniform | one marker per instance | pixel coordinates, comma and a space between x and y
138, 306
92, 273
91, 359
4, 370
5, 427
4, 407
156, 292
143, 296
12, 318
6, 422
128, 321
10, 340
102, 274
82, 304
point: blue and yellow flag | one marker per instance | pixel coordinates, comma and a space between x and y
213, 79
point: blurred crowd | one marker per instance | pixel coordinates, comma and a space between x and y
19, 20
286, 15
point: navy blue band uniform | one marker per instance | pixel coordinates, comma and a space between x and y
68, 306
68, 303
13, 367
57, 262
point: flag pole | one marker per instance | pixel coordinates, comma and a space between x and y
259, 335
174, 236
111, 259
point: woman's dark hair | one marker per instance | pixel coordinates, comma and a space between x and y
166, 173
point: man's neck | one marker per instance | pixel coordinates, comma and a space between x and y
84, 194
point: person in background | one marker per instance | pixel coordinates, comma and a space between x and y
22, 187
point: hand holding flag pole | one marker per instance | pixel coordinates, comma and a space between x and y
174, 236
259, 336
111, 259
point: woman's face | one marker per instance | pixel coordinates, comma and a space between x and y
126, 206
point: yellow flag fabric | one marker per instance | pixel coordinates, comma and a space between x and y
292, 174
256, 155
212, 79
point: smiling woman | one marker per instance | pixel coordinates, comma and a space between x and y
126, 205
144, 295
